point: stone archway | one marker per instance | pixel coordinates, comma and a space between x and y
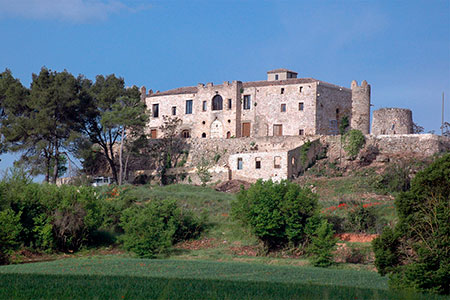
216, 129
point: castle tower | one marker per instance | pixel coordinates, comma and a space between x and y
360, 107
392, 121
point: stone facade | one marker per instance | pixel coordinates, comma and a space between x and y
361, 107
392, 121
283, 105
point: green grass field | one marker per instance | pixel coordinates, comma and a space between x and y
128, 278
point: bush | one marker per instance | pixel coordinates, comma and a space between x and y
322, 245
51, 217
152, 228
395, 178
277, 213
416, 253
363, 219
354, 141
10, 229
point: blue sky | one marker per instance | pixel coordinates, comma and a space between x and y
402, 48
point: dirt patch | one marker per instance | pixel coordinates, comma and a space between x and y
356, 237
245, 251
232, 186
197, 244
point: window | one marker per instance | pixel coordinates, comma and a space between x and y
301, 132
277, 130
282, 90
258, 163
283, 107
300, 89
155, 110
217, 102
204, 105
228, 134
277, 162
188, 107
174, 110
203, 135
186, 134
276, 77
301, 106
153, 133
229, 103
239, 163
247, 101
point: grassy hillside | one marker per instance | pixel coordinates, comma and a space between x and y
127, 278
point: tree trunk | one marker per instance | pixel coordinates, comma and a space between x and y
110, 159
55, 167
120, 156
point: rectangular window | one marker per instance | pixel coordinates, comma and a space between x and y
229, 103
174, 110
277, 162
301, 132
155, 109
247, 101
277, 130
258, 163
300, 89
276, 77
239, 163
188, 107
204, 106
301, 106
282, 90
283, 107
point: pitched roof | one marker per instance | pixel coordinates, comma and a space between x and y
278, 82
177, 91
281, 70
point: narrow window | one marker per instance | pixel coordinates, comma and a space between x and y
276, 77
174, 110
217, 102
203, 135
229, 103
283, 107
301, 132
282, 90
186, 134
155, 110
301, 106
188, 107
277, 162
204, 106
258, 163
247, 101
153, 133
300, 89
239, 163
228, 134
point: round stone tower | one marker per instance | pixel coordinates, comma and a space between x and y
392, 121
360, 107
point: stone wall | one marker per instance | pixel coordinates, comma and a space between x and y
392, 121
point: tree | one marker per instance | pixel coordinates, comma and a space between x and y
112, 115
40, 122
416, 128
416, 252
167, 150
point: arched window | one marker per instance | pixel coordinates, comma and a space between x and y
186, 134
203, 135
217, 102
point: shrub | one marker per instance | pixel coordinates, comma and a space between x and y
152, 228
361, 219
354, 141
395, 178
277, 213
322, 245
10, 229
416, 252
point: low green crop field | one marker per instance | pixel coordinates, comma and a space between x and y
128, 278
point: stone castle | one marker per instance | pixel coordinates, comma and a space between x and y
259, 127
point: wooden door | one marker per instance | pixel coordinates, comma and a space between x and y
277, 130
153, 133
246, 129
